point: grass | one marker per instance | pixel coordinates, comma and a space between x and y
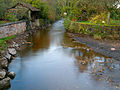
116, 22
2, 22
113, 23
3, 42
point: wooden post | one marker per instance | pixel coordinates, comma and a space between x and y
29, 14
108, 18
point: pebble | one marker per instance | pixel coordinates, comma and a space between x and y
112, 49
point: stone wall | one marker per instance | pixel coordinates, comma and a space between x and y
109, 31
12, 28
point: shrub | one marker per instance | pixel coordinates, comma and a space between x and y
41, 22
115, 14
67, 23
99, 19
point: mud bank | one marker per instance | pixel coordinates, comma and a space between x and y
109, 48
6, 56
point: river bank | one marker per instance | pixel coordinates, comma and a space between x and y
14, 46
109, 48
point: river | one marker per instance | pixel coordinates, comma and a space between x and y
56, 62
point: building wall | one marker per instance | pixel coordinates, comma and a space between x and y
13, 28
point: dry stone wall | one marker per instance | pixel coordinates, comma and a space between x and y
12, 28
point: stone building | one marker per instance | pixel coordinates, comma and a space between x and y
25, 11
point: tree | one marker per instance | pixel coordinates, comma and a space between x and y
4, 4
84, 9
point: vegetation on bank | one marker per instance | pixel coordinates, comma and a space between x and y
86, 16
2, 22
3, 42
98, 31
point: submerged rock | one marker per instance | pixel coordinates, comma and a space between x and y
11, 75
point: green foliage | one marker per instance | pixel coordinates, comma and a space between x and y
115, 22
78, 28
2, 22
67, 23
41, 22
3, 42
84, 10
5, 4
115, 14
46, 11
99, 19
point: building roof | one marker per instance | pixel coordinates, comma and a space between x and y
29, 6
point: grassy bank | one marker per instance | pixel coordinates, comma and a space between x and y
113, 23
3, 42
2, 22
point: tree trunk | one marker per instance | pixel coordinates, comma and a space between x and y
108, 18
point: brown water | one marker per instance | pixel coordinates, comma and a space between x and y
56, 62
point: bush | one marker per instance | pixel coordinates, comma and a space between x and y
98, 19
67, 23
115, 14
41, 22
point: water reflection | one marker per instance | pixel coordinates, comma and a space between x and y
57, 62
101, 67
41, 40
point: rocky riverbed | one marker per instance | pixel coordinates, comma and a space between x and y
109, 48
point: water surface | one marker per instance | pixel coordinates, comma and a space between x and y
56, 62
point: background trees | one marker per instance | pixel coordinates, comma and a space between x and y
85, 10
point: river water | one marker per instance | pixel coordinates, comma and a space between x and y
56, 62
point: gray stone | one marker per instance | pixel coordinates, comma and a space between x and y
11, 75
8, 56
15, 44
12, 51
12, 28
2, 74
5, 83
3, 63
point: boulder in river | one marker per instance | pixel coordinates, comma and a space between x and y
11, 75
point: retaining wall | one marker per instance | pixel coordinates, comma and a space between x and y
12, 28
112, 31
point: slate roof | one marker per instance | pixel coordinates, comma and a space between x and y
29, 6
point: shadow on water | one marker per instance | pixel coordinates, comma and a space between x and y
56, 62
